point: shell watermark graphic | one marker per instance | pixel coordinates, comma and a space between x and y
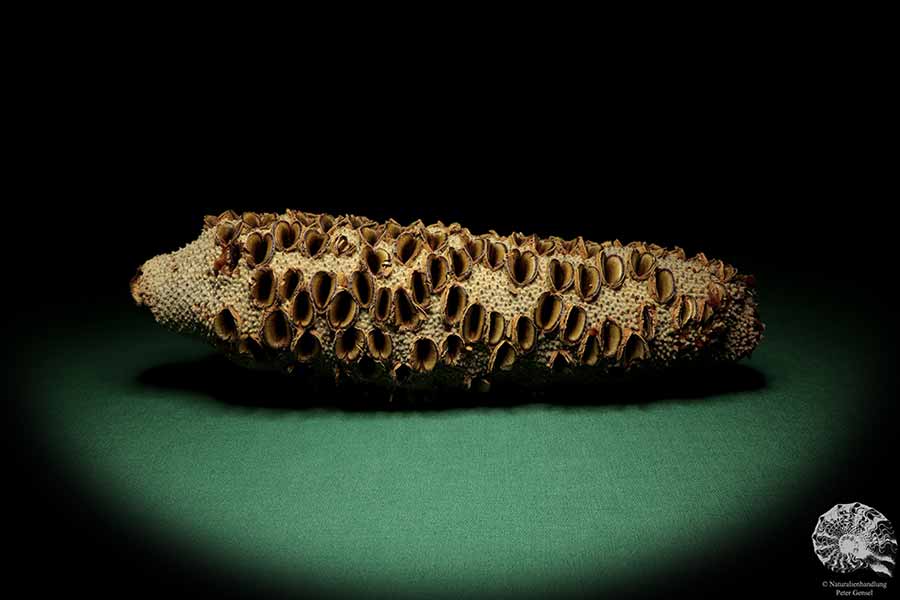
850, 537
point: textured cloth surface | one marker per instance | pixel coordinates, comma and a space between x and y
542, 496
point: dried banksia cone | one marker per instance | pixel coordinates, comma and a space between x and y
421, 305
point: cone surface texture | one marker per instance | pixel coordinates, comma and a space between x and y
426, 306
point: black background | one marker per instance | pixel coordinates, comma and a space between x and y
771, 158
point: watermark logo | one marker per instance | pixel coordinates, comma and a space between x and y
850, 537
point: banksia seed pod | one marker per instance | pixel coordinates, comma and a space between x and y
452, 349
258, 249
496, 328
421, 306
289, 283
262, 289
286, 234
